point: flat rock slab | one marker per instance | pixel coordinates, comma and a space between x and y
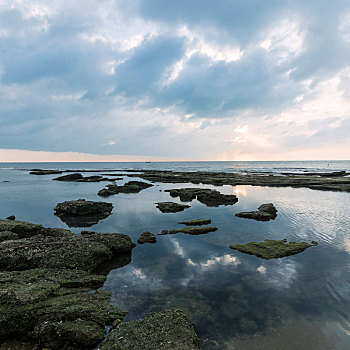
77, 177
82, 213
129, 187
265, 212
147, 237
210, 198
165, 330
197, 222
272, 249
190, 230
171, 207
45, 172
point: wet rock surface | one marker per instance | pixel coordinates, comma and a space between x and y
273, 249
147, 237
197, 222
190, 230
82, 213
45, 279
77, 177
45, 172
129, 187
171, 207
210, 198
69, 177
265, 212
166, 330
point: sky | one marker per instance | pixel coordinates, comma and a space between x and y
136, 80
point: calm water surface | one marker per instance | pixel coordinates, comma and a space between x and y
236, 301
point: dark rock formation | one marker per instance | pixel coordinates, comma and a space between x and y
12, 217
189, 230
45, 279
210, 198
69, 177
129, 187
165, 330
197, 222
147, 237
265, 212
45, 172
272, 249
171, 207
82, 213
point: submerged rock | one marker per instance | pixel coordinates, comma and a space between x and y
129, 187
197, 222
147, 237
265, 212
165, 330
210, 198
272, 249
171, 207
190, 230
82, 213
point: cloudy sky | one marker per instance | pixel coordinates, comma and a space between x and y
174, 80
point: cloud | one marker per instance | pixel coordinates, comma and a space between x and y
190, 80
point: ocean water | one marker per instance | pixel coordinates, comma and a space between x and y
235, 301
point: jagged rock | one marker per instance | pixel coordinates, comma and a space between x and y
82, 213
265, 212
197, 222
171, 207
210, 198
272, 249
12, 217
190, 230
165, 330
129, 187
147, 237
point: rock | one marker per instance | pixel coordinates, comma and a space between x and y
147, 237
129, 187
69, 177
190, 230
272, 249
82, 213
165, 330
171, 207
7, 236
265, 212
210, 198
12, 217
197, 222
45, 172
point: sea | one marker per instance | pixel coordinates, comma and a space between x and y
234, 300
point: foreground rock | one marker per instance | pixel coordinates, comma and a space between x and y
45, 282
190, 230
210, 198
147, 237
82, 213
197, 222
166, 330
265, 212
171, 207
272, 249
129, 187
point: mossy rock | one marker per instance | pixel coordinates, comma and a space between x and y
147, 237
197, 222
265, 212
7, 236
272, 249
190, 230
171, 207
166, 330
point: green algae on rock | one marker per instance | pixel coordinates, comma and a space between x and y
147, 237
265, 212
197, 222
210, 198
165, 330
171, 207
129, 187
272, 249
190, 230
